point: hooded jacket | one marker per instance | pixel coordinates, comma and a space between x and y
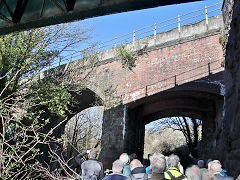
139, 173
126, 170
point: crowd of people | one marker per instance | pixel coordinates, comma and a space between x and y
161, 168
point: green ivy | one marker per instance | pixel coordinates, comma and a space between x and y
47, 101
126, 57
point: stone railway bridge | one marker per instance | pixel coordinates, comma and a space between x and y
181, 75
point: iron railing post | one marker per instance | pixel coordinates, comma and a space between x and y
84, 52
99, 47
206, 16
175, 80
179, 25
115, 43
209, 69
155, 30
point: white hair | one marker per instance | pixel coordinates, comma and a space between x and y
209, 164
173, 161
158, 163
117, 166
124, 158
216, 161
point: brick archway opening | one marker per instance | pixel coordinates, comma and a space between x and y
170, 135
80, 101
200, 105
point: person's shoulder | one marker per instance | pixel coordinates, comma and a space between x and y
106, 177
127, 178
99, 162
229, 178
224, 177
116, 177
84, 162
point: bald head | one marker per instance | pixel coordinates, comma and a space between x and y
193, 173
135, 163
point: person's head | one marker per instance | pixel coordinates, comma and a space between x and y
117, 167
216, 168
173, 161
193, 173
209, 165
133, 156
134, 164
207, 175
93, 153
200, 163
124, 158
216, 161
157, 163
149, 155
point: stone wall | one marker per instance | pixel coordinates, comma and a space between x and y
228, 141
113, 134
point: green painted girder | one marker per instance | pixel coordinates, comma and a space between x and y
16, 15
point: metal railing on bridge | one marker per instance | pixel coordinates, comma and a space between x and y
152, 30
207, 69
155, 28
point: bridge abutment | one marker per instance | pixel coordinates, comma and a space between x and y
228, 141
134, 142
123, 131
210, 129
113, 134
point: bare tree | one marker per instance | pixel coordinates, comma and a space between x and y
84, 130
190, 128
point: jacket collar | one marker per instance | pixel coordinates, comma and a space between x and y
138, 170
174, 168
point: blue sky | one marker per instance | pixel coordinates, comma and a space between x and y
109, 26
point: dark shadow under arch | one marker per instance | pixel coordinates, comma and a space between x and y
196, 100
83, 100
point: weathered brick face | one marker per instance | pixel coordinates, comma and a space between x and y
162, 68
